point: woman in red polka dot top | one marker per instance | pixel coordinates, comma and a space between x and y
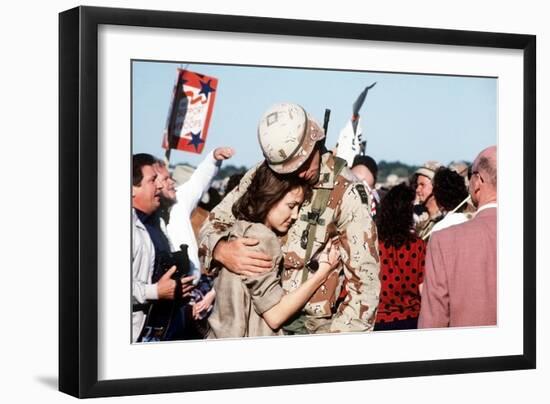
402, 256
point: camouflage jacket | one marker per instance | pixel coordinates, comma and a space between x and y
426, 223
347, 216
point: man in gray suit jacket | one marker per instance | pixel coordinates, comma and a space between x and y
461, 261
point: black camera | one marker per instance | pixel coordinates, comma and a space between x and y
167, 260
162, 315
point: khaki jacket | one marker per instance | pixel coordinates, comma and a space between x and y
241, 301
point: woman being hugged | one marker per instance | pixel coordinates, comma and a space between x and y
258, 306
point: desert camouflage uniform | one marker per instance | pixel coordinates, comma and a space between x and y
425, 224
347, 216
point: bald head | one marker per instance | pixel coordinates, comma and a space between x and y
486, 164
483, 184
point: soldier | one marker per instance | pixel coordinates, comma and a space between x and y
428, 214
292, 143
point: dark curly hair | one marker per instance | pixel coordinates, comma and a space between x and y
265, 190
449, 189
395, 216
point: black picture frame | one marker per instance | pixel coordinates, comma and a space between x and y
78, 200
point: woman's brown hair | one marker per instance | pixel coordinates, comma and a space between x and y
266, 189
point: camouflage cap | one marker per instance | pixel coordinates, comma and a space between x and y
428, 169
287, 136
461, 167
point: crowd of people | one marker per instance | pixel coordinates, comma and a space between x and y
302, 243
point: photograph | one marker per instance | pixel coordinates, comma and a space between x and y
282, 201
276, 202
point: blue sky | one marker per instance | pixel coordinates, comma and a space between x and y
407, 117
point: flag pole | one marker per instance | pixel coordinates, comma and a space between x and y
167, 154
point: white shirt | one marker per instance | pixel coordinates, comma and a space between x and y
179, 229
451, 219
143, 259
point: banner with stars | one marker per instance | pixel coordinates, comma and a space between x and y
190, 111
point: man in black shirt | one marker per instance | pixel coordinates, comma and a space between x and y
146, 201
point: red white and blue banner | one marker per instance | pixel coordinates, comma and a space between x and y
190, 111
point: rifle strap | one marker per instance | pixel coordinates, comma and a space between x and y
314, 218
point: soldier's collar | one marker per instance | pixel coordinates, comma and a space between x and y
437, 216
326, 171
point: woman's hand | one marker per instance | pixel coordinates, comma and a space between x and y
330, 256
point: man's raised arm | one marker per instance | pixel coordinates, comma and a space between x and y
190, 192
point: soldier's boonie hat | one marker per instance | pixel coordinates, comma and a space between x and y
287, 136
460, 167
428, 169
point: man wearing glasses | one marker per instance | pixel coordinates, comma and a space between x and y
461, 261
